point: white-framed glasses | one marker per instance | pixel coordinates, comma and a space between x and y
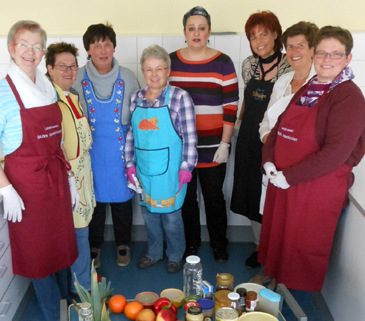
151, 71
332, 55
65, 67
24, 46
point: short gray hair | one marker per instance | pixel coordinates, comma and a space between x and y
157, 52
29, 25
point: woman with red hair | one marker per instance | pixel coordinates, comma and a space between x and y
259, 72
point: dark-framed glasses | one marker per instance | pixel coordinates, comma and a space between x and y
333, 55
24, 46
65, 67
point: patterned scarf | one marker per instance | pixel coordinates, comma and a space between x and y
315, 89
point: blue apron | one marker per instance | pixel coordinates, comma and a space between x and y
158, 154
107, 150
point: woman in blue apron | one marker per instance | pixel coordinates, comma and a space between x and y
160, 155
105, 89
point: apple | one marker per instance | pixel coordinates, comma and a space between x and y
166, 315
146, 315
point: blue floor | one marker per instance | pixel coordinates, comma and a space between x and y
129, 281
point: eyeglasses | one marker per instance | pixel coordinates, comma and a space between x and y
151, 71
332, 55
24, 46
65, 67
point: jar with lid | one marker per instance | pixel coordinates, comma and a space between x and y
194, 314
85, 312
221, 299
224, 282
193, 276
242, 300
207, 307
251, 301
234, 297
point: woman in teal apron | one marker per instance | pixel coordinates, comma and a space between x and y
160, 155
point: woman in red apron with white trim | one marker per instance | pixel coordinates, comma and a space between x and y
38, 192
310, 154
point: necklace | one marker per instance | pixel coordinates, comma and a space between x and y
299, 78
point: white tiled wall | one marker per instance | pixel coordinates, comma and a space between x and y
129, 50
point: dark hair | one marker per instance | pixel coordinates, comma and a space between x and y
96, 32
307, 29
338, 33
197, 11
57, 48
270, 22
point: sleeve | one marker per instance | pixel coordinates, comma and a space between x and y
129, 141
230, 93
343, 123
187, 129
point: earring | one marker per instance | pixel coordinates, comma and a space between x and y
185, 41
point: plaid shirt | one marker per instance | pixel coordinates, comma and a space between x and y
181, 109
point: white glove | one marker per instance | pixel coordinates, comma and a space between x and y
270, 170
280, 181
75, 197
13, 204
222, 153
236, 129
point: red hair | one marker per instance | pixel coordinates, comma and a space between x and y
268, 21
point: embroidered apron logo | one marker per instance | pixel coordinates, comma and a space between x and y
259, 94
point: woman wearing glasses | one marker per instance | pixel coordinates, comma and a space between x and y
61, 63
38, 186
161, 153
311, 151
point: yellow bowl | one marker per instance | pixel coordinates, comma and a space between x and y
175, 295
257, 316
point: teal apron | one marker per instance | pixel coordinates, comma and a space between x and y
107, 150
158, 154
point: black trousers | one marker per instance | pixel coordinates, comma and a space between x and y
122, 215
211, 181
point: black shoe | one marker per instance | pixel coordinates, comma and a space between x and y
251, 262
173, 267
191, 250
220, 255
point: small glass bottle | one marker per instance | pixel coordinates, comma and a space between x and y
193, 276
242, 300
234, 297
251, 301
85, 312
194, 314
224, 282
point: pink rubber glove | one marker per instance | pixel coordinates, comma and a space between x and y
131, 170
184, 177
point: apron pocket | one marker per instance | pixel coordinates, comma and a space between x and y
153, 162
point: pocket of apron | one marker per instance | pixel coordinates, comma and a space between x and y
153, 162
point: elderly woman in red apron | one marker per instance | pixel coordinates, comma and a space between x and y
309, 156
37, 184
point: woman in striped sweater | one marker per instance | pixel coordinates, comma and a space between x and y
209, 77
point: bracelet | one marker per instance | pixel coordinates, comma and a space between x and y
70, 174
225, 144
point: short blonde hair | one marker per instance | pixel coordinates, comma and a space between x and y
157, 52
27, 25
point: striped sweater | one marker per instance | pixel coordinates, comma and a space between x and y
213, 86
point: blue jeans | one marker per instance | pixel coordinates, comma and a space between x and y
173, 226
81, 266
49, 291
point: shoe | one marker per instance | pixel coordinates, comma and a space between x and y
123, 255
251, 262
220, 255
191, 250
146, 262
173, 267
95, 255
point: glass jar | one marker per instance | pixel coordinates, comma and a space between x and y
235, 304
224, 282
194, 314
251, 301
221, 300
85, 312
207, 307
193, 273
242, 300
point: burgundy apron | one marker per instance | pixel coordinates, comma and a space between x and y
299, 223
44, 242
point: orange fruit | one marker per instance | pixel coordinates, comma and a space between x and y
117, 303
132, 309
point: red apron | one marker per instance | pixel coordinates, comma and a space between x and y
299, 223
44, 241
